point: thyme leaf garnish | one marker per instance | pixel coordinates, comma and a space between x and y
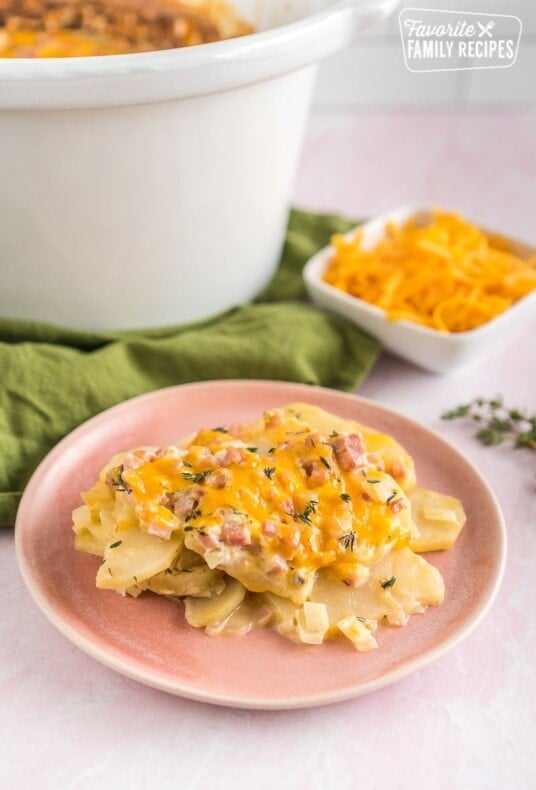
325, 462
497, 422
388, 583
192, 515
117, 481
269, 472
305, 516
347, 541
197, 477
116, 544
346, 497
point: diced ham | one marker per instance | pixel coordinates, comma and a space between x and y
168, 452
357, 577
210, 539
397, 505
236, 534
397, 470
219, 479
234, 455
316, 472
274, 418
236, 430
269, 529
350, 451
160, 532
295, 538
288, 506
136, 459
376, 460
186, 501
277, 566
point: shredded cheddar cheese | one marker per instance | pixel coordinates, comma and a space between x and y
448, 274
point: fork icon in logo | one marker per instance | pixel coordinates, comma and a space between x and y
485, 30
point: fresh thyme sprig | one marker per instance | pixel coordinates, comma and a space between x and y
497, 422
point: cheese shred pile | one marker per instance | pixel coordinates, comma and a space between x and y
448, 274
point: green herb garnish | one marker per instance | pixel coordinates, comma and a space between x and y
374, 481
306, 515
269, 472
348, 541
192, 515
346, 497
252, 449
116, 544
497, 422
388, 583
325, 462
118, 482
390, 498
198, 477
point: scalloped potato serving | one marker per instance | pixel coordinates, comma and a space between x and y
302, 521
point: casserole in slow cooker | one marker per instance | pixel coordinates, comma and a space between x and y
76, 28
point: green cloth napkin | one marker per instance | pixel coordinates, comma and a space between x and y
52, 379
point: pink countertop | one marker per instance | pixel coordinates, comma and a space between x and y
468, 720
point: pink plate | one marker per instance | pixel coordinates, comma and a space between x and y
148, 639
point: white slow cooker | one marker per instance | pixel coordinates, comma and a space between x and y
153, 188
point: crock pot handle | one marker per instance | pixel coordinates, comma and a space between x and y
366, 13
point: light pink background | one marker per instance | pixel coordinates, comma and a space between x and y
465, 722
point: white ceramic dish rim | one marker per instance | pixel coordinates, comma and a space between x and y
152, 679
216, 54
315, 267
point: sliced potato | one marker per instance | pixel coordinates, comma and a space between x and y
312, 623
439, 519
416, 584
201, 612
187, 559
284, 612
359, 632
97, 495
252, 613
92, 530
199, 582
132, 556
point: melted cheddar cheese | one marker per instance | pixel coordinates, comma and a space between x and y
337, 518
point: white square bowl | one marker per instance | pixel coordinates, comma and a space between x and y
437, 351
